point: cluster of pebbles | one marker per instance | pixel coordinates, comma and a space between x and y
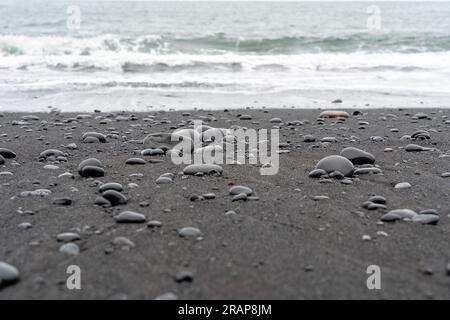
343, 164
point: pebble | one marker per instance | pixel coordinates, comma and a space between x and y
317, 173
336, 163
415, 148
154, 224
51, 153
36, 193
8, 274
130, 217
187, 232
91, 168
378, 199
426, 218
63, 201
114, 197
167, 296
239, 197
399, 214
98, 136
235, 190
309, 138
25, 226
2, 160
110, 186
70, 249
135, 161
333, 114
445, 175
68, 237
358, 156
202, 168
402, 185
7, 154
184, 276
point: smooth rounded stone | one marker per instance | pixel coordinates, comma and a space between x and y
62, 201
110, 186
239, 197
70, 248
317, 173
336, 163
68, 237
320, 198
154, 224
402, 213
72, 146
415, 148
163, 180
309, 138
8, 274
91, 140
421, 134
333, 114
376, 206
209, 196
346, 181
25, 226
51, 167
36, 193
66, 175
184, 276
92, 172
2, 160
123, 243
152, 152
421, 115
130, 217
203, 168
445, 175
426, 218
91, 162
390, 217
275, 120
336, 175
135, 161
100, 201
378, 199
54, 153
7, 154
240, 189
114, 197
369, 170
98, 136
358, 156
429, 211
188, 232
402, 185
245, 117
329, 139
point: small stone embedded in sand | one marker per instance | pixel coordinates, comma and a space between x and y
7, 154
333, 114
110, 186
202, 168
402, 185
163, 180
426, 218
96, 135
309, 138
336, 163
114, 197
8, 274
51, 153
399, 214
152, 152
51, 167
368, 170
154, 224
62, 201
378, 199
415, 148
25, 226
91, 168
167, 296
445, 175
123, 243
135, 161
317, 173
184, 276
235, 190
70, 248
245, 117
68, 237
421, 134
275, 120
239, 197
36, 193
130, 217
358, 156
188, 232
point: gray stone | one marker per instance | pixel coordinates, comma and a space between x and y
110, 186
187, 232
336, 163
8, 274
358, 156
235, 190
130, 217
114, 197
68, 237
7, 154
202, 168
135, 161
70, 248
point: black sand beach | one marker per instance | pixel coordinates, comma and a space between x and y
284, 245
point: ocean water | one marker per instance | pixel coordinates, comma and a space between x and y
50, 47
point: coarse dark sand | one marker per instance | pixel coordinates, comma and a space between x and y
285, 245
